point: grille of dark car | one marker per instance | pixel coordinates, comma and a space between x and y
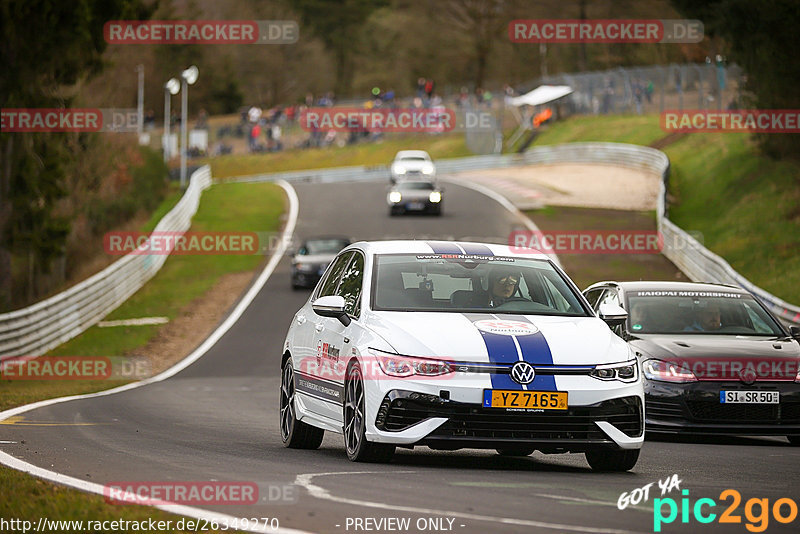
746, 413
470, 421
790, 411
663, 409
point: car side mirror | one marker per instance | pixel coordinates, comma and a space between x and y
794, 331
331, 306
612, 314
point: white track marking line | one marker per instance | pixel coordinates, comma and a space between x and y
210, 341
318, 492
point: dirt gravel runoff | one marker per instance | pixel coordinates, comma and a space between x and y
572, 184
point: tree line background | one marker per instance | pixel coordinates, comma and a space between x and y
59, 191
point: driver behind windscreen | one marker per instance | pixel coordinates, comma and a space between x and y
707, 318
503, 284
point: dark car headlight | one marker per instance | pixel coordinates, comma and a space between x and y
663, 371
624, 372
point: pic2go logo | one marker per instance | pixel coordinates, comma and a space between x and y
783, 511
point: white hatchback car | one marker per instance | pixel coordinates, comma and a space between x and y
458, 345
412, 165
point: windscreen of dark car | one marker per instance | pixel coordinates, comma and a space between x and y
322, 246
698, 312
466, 283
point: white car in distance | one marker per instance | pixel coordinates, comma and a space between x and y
412, 164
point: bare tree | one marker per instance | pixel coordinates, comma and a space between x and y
480, 21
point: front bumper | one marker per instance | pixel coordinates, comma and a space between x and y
695, 408
416, 206
307, 278
609, 424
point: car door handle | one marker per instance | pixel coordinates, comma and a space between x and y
301, 319
318, 327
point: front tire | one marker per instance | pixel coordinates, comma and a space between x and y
612, 460
355, 423
295, 434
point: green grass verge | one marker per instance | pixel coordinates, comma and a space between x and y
183, 278
28, 498
379, 153
635, 129
746, 206
228, 207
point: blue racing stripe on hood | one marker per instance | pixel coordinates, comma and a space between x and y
502, 349
536, 351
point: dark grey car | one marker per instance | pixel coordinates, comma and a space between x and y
313, 257
715, 360
421, 196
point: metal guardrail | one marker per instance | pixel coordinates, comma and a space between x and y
680, 247
42, 326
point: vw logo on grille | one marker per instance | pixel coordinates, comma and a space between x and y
748, 377
523, 373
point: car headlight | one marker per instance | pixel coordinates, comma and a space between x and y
395, 197
304, 267
667, 372
427, 169
435, 197
399, 170
404, 366
625, 372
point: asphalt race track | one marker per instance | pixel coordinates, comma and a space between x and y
217, 420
